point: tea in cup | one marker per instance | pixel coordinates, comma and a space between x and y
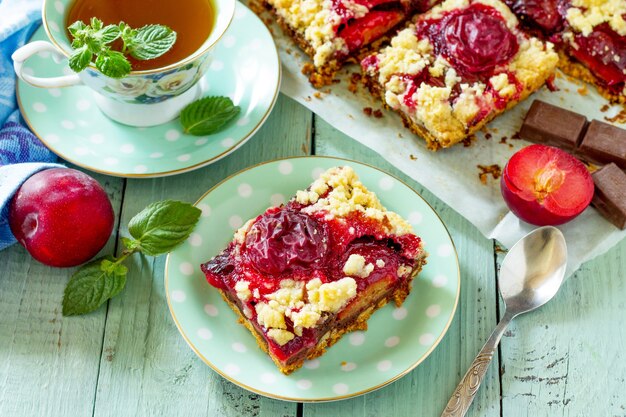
156, 90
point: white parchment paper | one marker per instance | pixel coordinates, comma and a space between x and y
452, 174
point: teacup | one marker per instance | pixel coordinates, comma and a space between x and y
143, 98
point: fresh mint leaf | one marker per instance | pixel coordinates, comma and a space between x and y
92, 41
127, 34
131, 244
151, 41
95, 23
114, 268
208, 115
92, 285
163, 225
80, 59
108, 34
113, 64
76, 28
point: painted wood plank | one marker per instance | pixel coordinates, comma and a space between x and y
568, 358
146, 367
426, 390
49, 363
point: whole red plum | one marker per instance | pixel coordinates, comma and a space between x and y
62, 217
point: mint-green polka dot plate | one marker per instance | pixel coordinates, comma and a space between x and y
245, 67
397, 339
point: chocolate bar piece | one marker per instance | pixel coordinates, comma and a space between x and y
610, 194
552, 125
604, 143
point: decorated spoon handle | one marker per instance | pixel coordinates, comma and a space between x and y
466, 390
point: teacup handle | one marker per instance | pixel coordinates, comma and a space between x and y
21, 56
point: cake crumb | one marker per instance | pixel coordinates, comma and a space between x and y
488, 136
400, 135
485, 170
468, 141
413, 157
353, 84
317, 95
308, 69
378, 113
604, 108
367, 111
618, 118
308, 99
583, 91
516, 136
503, 140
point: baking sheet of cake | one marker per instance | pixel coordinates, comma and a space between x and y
453, 174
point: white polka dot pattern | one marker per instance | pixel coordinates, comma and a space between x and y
179, 296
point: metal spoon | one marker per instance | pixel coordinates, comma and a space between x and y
530, 276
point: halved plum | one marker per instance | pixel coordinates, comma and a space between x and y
544, 185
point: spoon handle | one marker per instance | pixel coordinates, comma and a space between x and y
466, 390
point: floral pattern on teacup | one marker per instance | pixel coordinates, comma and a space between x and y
129, 86
154, 87
171, 84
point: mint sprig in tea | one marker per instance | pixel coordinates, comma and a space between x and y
136, 35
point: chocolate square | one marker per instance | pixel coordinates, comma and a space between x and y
610, 194
552, 125
604, 143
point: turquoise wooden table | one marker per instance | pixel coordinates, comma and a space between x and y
128, 359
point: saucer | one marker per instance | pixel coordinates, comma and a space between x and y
245, 67
397, 338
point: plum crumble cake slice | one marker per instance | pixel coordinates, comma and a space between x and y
332, 31
301, 275
590, 36
457, 67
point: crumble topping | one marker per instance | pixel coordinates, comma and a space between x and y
289, 295
587, 14
280, 336
355, 266
240, 234
347, 195
306, 317
315, 20
403, 270
243, 290
288, 301
501, 84
270, 315
331, 296
380, 263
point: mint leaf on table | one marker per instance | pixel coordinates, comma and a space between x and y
91, 286
208, 115
151, 42
163, 225
157, 229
